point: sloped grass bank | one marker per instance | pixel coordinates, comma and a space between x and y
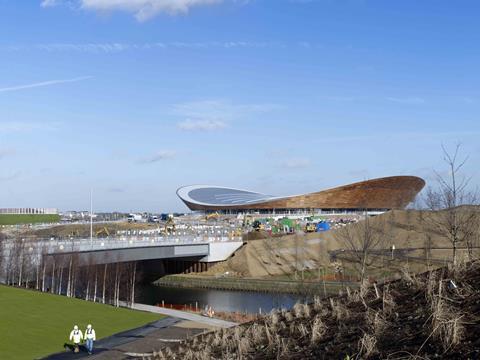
21, 219
35, 324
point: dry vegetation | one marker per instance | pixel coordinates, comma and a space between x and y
405, 229
433, 315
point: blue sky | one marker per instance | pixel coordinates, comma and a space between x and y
134, 98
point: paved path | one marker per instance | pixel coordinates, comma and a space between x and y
185, 315
147, 337
118, 339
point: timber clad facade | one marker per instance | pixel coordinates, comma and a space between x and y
394, 192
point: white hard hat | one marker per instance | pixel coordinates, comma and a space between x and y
89, 326
75, 327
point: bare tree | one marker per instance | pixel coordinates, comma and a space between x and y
359, 241
52, 286
29, 263
451, 213
95, 284
104, 287
2, 255
44, 269
132, 272
61, 265
69, 277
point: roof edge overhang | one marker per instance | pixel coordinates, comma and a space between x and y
409, 186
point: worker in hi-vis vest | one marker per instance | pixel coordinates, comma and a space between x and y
76, 336
90, 338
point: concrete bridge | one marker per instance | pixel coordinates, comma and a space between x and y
190, 252
126, 249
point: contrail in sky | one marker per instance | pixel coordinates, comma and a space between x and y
43, 83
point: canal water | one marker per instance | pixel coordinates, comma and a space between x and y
220, 300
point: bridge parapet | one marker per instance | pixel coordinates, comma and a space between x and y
81, 245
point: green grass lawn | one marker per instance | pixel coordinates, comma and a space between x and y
34, 324
20, 219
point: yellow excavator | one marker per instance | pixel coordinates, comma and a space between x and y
310, 227
169, 225
212, 216
103, 232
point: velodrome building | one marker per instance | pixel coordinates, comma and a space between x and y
374, 196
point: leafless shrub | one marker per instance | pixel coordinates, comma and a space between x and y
292, 328
288, 316
159, 355
377, 292
450, 214
307, 311
238, 332
217, 339
257, 333
318, 329
274, 318
431, 285
302, 329
376, 321
446, 321
317, 303
410, 278
298, 310
268, 334
388, 303
367, 345
244, 346
282, 347
364, 289
189, 355
339, 310
359, 240
169, 353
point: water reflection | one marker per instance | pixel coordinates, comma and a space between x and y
220, 300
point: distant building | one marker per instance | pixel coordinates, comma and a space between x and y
28, 211
373, 196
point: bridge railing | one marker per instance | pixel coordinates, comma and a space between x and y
72, 245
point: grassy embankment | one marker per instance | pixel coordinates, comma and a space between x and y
36, 324
250, 284
21, 219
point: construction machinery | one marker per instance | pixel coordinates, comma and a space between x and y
212, 216
169, 228
247, 220
310, 227
258, 225
103, 231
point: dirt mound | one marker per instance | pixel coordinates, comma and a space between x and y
405, 229
434, 315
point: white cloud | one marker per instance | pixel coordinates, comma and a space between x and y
146, 9
296, 163
117, 47
159, 156
9, 177
215, 114
201, 125
6, 152
49, 3
407, 100
43, 83
25, 126
142, 10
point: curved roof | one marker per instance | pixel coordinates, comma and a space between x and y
383, 193
219, 195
